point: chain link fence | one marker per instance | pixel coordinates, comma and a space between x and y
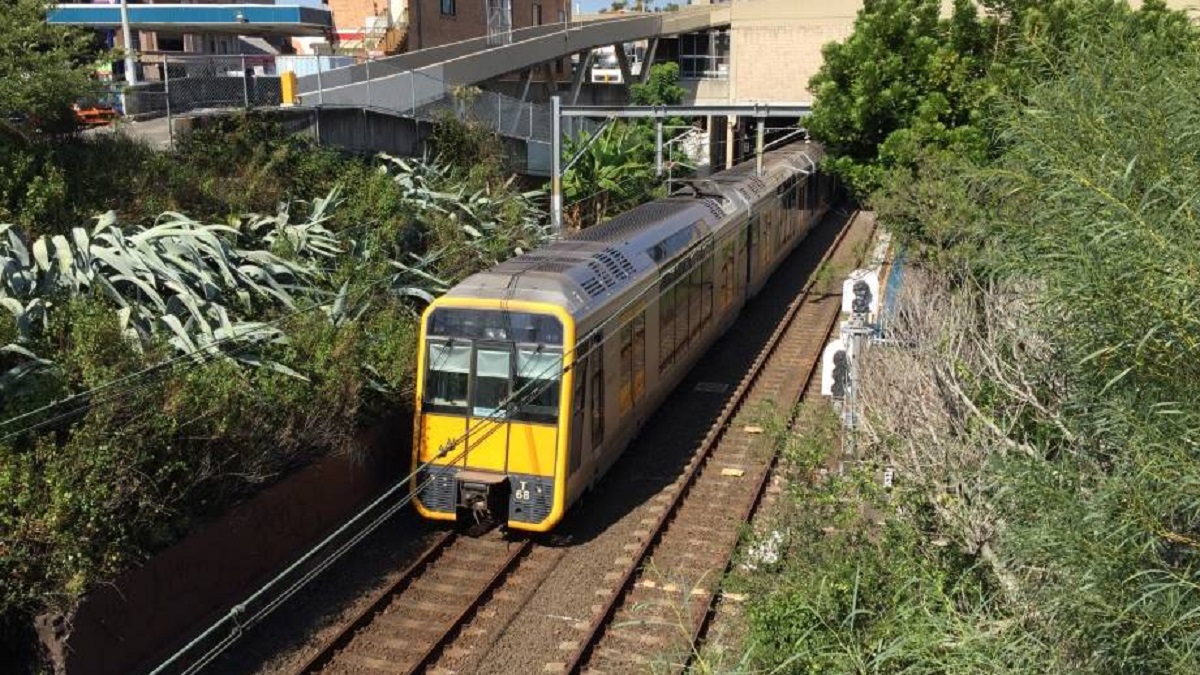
419, 95
174, 85
177, 84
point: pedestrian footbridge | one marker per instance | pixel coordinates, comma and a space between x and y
409, 82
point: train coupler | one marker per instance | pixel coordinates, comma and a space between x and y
482, 497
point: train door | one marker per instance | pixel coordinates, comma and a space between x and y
587, 408
490, 389
578, 410
596, 394
752, 245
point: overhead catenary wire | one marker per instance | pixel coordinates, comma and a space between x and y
238, 618
181, 363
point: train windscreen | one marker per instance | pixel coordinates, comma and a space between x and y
491, 363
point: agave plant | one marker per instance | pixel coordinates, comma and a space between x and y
27, 364
309, 240
430, 188
178, 274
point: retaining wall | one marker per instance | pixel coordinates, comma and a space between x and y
132, 624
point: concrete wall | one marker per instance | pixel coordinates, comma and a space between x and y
370, 132
706, 92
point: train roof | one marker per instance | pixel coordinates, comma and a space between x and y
587, 269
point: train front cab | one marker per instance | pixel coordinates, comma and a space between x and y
490, 412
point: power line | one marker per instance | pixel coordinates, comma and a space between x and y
470, 439
196, 358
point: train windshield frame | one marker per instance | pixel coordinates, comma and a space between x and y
474, 368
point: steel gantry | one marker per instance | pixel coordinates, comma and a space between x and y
659, 113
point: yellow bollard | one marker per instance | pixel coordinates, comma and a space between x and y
287, 86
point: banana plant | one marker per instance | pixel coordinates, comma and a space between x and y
615, 172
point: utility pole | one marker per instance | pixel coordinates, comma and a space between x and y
758, 148
127, 39
556, 196
658, 147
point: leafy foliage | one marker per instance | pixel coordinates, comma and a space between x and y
904, 79
660, 88
158, 368
616, 172
43, 68
1042, 421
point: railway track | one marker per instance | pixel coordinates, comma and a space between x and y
429, 619
659, 610
408, 623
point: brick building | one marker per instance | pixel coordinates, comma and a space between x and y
439, 22
373, 26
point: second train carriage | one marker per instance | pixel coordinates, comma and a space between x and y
535, 375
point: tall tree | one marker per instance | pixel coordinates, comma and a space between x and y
43, 68
661, 88
903, 69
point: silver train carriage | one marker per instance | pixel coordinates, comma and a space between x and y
536, 374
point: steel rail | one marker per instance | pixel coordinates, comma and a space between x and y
328, 652
710, 610
716, 432
329, 648
435, 649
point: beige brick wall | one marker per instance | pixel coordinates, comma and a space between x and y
774, 63
776, 45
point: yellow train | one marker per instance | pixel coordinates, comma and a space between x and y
536, 374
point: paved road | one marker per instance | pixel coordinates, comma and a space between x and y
153, 132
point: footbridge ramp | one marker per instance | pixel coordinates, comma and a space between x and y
408, 82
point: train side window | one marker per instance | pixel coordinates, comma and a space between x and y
683, 310
776, 227
696, 310
597, 365
639, 355
739, 272
790, 212
626, 393
726, 275
764, 249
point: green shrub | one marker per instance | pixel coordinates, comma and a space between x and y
103, 479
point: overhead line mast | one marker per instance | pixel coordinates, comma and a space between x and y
759, 111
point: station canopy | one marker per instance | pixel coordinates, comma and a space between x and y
265, 17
